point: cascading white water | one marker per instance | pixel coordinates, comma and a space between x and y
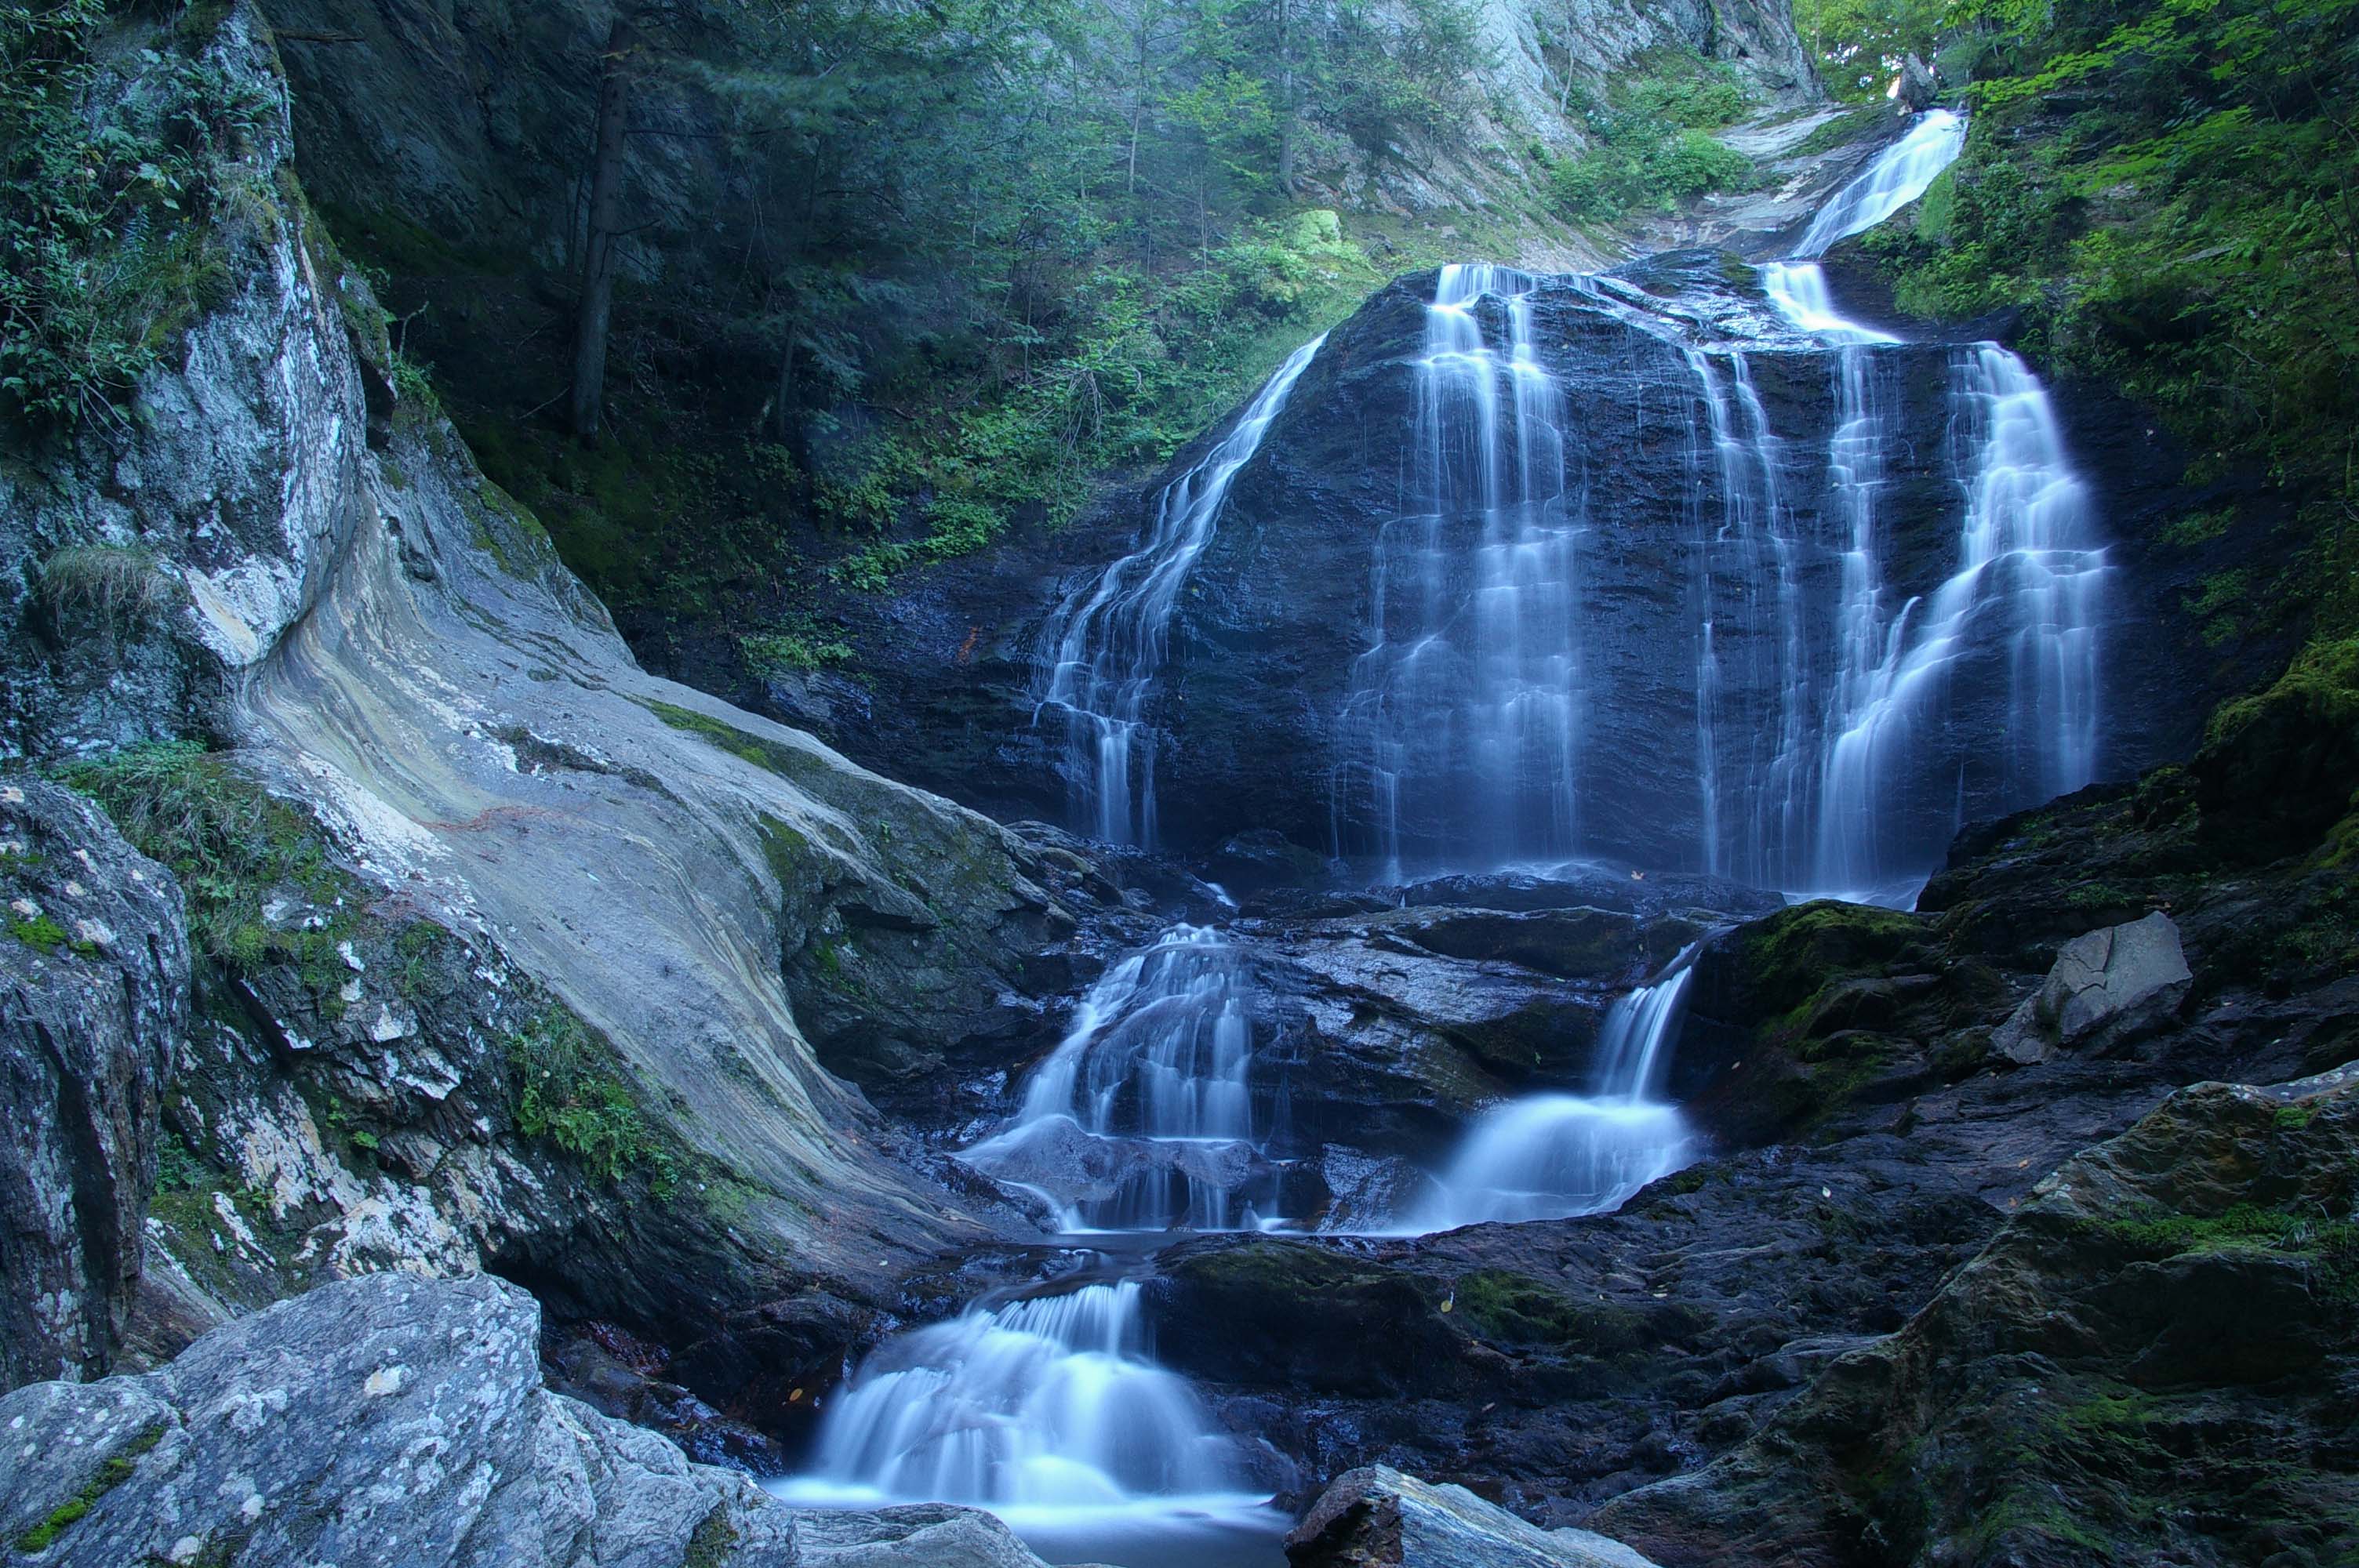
1143, 1118
2032, 571
1896, 177
1103, 650
1756, 533
1467, 704
1556, 1156
2030, 561
1050, 1413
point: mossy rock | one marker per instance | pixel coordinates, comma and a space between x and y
2278, 769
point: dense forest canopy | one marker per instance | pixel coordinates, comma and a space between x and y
976, 256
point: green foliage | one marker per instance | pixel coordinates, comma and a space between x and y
796, 648
1019, 246
1859, 45
229, 842
2170, 189
116, 1469
563, 1089
1652, 149
411, 382
177, 1170
106, 203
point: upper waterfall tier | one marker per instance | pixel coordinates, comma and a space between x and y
1641, 568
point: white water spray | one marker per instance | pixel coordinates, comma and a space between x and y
1049, 1411
1466, 708
1103, 649
1143, 1118
1556, 1156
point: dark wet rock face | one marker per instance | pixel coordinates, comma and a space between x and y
1261, 755
93, 1011
2154, 1362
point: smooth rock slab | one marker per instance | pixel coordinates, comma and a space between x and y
1378, 1518
396, 1421
2119, 974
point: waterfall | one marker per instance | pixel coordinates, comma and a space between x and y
2031, 570
1143, 1118
1556, 1156
1466, 704
1894, 178
1049, 1411
1756, 531
1103, 649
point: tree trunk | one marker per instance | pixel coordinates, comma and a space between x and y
596, 317
1285, 98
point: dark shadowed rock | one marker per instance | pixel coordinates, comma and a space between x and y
93, 1003
2154, 1362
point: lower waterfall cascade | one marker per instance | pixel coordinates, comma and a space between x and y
1463, 743
1144, 1116
1048, 1411
1558, 1156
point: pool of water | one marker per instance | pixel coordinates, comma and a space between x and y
1217, 1531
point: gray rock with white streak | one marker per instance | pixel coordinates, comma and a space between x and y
394, 1422
1378, 1518
2113, 980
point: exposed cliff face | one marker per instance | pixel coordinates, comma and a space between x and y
529, 1007
94, 1007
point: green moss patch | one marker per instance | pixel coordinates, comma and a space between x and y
564, 1087
117, 1469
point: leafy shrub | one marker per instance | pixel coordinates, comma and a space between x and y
1652, 150
106, 201
562, 1091
790, 650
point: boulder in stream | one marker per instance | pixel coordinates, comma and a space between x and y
1377, 1517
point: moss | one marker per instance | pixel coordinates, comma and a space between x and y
1517, 1309
563, 1087
38, 931
2331, 1244
117, 1469
1793, 955
770, 756
716, 1541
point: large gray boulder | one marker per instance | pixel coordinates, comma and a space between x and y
1378, 1518
2113, 980
396, 1421
94, 1000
